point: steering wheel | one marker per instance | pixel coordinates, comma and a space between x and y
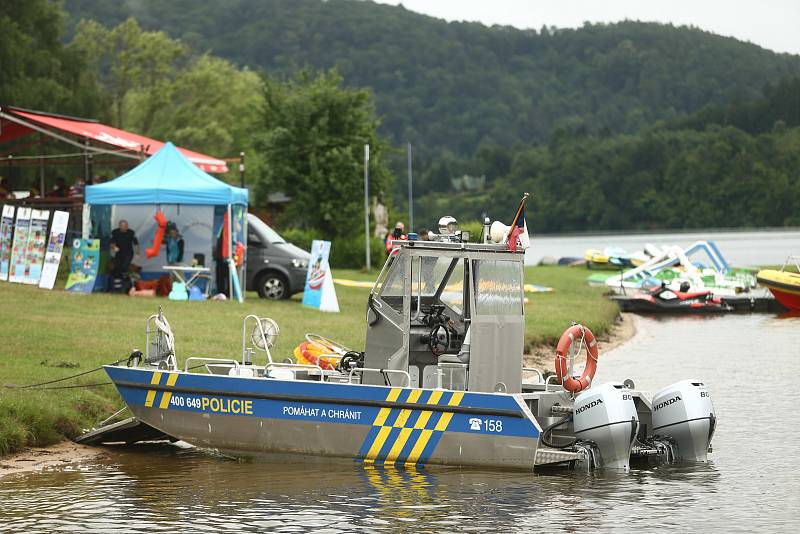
439, 340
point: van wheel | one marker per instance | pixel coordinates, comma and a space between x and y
273, 285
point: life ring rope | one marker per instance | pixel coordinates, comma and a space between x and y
564, 365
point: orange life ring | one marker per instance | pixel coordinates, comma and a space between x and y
585, 336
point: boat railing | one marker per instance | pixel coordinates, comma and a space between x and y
793, 260
384, 372
551, 380
534, 370
186, 366
298, 366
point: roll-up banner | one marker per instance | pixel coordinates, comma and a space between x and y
83, 266
37, 244
16, 270
6, 233
55, 246
319, 291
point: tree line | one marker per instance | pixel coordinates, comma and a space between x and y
612, 127
722, 167
452, 87
304, 136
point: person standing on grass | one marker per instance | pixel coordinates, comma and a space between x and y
396, 235
123, 243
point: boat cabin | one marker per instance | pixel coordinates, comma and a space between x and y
450, 314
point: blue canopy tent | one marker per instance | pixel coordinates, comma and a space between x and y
170, 183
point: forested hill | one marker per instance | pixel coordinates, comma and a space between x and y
457, 85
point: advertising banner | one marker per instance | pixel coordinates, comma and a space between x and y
319, 291
55, 246
6, 233
37, 243
16, 270
83, 265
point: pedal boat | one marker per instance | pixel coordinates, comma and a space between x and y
441, 381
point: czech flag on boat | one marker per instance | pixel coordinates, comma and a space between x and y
518, 236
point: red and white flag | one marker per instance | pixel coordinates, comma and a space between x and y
518, 236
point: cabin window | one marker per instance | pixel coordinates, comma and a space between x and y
498, 287
453, 291
394, 284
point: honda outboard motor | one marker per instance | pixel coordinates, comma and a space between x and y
606, 416
683, 412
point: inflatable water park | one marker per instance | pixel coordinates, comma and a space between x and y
675, 279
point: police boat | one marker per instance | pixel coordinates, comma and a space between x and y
441, 381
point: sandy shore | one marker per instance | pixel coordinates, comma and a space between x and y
39, 458
543, 356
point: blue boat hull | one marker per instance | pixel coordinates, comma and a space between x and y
387, 425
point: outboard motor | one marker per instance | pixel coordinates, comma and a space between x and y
606, 416
683, 412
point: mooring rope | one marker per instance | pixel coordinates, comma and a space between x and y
76, 375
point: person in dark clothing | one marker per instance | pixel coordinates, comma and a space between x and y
221, 268
60, 190
124, 246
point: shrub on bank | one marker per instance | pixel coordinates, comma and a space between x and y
346, 252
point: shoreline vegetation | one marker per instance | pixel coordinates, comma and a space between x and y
47, 335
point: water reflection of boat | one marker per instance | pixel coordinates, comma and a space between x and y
785, 285
440, 382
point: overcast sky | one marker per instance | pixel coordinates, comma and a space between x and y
773, 24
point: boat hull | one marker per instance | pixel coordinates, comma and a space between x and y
783, 285
391, 426
788, 299
644, 305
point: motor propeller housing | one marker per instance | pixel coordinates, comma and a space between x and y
683, 412
606, 416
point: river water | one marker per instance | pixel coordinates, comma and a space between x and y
750, 362
741, 248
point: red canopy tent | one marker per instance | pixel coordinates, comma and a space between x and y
16, 122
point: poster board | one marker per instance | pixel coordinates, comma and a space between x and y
55, 246
319, 291
37, 244
84, 261
6, 234
16, 270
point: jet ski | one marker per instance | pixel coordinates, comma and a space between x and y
664, 300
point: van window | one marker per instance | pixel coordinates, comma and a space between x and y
253, 239
264, 231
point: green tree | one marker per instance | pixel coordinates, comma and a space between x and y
312, 138
155, 87
212, 107
127, 59
36, 71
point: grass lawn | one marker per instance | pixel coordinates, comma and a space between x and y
46, 335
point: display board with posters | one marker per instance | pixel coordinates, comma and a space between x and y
319, 291
55, 246
85, 259
37, 244
6, 233
16, 269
